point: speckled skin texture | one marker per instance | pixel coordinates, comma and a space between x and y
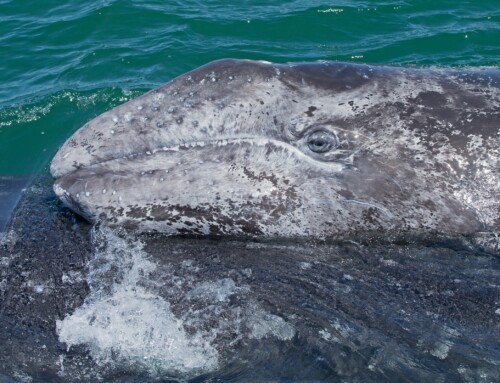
228, 149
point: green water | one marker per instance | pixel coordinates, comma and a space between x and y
64, 62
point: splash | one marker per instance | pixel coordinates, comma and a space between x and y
123, 322
161, 318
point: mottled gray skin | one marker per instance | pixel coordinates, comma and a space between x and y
326, 149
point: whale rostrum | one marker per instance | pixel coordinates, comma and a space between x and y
240, 147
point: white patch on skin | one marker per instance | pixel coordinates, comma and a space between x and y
373, 205
59, 190
475, 142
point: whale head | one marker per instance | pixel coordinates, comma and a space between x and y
241, 147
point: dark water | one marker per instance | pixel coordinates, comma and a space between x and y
155, 309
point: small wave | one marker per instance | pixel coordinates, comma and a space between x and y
31, 132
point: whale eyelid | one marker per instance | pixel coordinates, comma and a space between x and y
293, 131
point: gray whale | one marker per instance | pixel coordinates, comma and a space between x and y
241, 147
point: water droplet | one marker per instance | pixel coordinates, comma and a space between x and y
87, 194
103, 191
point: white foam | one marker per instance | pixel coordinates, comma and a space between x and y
325, 334
22, 377
219, 290
124, 322
305, 265
128, 319
72, 277
441, 350
263, 324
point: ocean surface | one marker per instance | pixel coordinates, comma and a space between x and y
339, 313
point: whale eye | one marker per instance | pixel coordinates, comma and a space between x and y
322, 141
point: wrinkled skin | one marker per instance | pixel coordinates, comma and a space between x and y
239, 147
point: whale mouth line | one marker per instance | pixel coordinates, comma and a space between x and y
214, 143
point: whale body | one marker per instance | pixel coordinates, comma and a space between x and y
240, 147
